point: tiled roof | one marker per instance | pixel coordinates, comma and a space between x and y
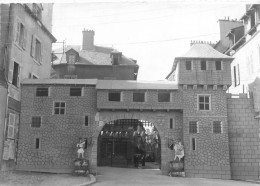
203, 51
59, 81
136, 85
98, 56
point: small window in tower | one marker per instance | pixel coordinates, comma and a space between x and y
171, 123
138, 97
36, 122
193, 143
204, 102
42, 92
188, 65
114, 96
217, 127
37, 143
76, 91
203, 65
164, 96
218, 65
193, 127
86, 121
59, 107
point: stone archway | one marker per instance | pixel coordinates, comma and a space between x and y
129, 143
158, 119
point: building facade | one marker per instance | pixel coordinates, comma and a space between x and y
90, 61
194, 110
26, 43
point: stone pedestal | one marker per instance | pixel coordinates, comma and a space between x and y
81, 167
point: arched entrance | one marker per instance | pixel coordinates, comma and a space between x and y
129, 143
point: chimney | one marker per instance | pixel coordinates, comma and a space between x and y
88, 39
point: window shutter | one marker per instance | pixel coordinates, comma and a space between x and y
10, 72
11, 126
24, 38
17, 31
33, 46
41, 53
18, 76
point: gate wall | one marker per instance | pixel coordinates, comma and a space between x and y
161, 121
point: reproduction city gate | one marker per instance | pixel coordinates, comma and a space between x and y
121, 140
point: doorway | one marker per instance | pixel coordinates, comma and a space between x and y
129, 143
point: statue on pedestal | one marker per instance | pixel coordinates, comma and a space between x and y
80, 147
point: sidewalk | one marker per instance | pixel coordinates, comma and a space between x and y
23, 178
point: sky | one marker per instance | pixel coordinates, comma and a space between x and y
152, 32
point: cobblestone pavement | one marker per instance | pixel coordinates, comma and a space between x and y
121, 176
21, 178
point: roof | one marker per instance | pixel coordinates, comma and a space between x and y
136, 85
59, 81
107, 84
99, 56
203, 51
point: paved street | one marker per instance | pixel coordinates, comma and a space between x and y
121, 176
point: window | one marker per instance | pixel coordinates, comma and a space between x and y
193, 143
86, 121
37, 143
21, 34
40, 92
70, 77
203, 65
164, 97
36, 49
75, 91
37, 11
218, 65
217, 127
59, 107
72, 59
138, 97
236, 75
193, 127
188, 65
204, 102
36, 121
171, 123
11, 126
16, 75
114, 96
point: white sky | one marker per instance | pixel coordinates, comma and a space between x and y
152, 32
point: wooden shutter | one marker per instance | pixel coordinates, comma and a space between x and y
11, 126
33, 46
41, 53
17, 31
10, 71
24, 38
18, 75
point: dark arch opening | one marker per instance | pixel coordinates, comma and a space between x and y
129, 143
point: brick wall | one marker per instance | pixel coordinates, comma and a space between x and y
243, 138
150, 103
205, 77
58, 134
211, 157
